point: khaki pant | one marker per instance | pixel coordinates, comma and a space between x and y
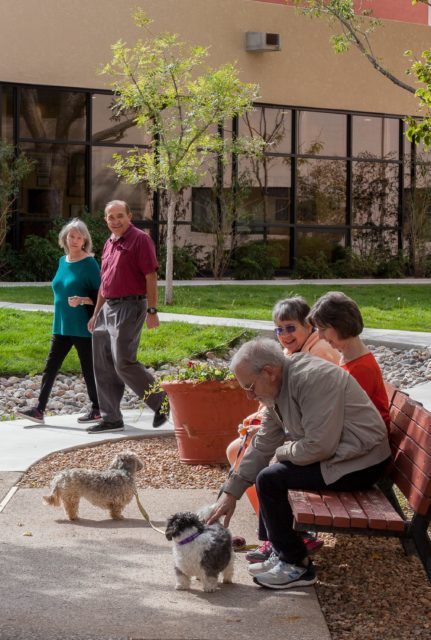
116, 336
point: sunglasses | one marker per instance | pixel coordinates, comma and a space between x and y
289, 328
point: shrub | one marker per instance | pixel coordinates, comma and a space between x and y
10, 264
39, 260
186, 262
313, 268
253, 262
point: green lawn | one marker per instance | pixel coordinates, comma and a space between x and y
26, 336
405, 307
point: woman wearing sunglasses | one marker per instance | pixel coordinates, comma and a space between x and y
295, 334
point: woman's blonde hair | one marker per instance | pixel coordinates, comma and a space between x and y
81, 227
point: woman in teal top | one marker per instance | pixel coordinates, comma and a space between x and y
75, 286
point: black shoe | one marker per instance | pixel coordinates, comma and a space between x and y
160, 418
92, 416
32, 414
106, 427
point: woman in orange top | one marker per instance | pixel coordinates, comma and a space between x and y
295, 334
339, 321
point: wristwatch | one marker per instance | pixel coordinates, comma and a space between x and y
152, 311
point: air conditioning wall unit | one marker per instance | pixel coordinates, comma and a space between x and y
260, 41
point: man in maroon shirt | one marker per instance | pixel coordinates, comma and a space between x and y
127, 297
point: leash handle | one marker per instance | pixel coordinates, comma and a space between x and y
145, 514
245, 434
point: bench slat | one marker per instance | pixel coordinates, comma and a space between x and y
357, 515
418, 502
415, 411
302, 511
340, 517
410, 470
322, 514
409, 446
402, 422
373, 507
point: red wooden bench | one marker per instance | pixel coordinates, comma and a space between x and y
376, 512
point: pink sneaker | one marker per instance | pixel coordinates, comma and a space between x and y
312, 544
261, 554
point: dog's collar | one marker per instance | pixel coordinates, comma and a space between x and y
190, 538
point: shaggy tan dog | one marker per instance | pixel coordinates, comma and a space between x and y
111, 489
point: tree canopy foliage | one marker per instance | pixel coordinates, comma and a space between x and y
181, 104
356, 29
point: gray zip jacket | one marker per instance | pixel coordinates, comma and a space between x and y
321, 415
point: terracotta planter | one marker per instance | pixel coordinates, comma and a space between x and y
206, 416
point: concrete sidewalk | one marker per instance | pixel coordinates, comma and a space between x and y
99, 579
22, 443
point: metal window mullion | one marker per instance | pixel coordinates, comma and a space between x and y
293, 209
349, 183
401, 199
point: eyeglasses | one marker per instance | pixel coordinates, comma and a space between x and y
250, 388
289, 328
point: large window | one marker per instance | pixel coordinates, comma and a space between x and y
324, 179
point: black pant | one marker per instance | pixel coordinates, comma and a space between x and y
60, 347
272, 485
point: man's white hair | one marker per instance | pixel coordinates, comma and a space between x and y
258, 354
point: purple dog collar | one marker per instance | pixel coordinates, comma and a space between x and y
190, 538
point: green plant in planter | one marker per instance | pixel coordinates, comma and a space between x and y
198, 371
195, 372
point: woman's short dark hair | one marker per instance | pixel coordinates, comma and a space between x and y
295, 308
337, 310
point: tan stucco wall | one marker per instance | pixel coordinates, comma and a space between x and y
62, 42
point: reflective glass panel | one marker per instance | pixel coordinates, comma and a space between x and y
272, 124
106, 186
375, 137
312, 242
112, 129
278, 242
375, 193
6, 116
322, 133
56, 187
52, 114
321, 192
265, 189
365, 242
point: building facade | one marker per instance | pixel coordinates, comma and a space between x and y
337, 168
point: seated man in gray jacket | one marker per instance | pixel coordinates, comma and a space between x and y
325, 434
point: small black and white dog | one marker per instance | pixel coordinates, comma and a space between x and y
200, 550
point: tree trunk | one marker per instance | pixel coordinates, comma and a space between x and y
169, 294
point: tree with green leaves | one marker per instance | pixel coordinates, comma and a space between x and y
14, 168
181, 105
356, 29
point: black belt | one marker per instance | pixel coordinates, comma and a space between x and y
141, 297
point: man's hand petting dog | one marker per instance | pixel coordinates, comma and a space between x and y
225, 506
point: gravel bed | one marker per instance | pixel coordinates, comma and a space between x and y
403, 368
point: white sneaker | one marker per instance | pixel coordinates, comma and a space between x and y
262, 567
286, 576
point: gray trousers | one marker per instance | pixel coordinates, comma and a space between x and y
116, 336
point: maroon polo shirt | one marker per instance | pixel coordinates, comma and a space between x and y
125, 263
